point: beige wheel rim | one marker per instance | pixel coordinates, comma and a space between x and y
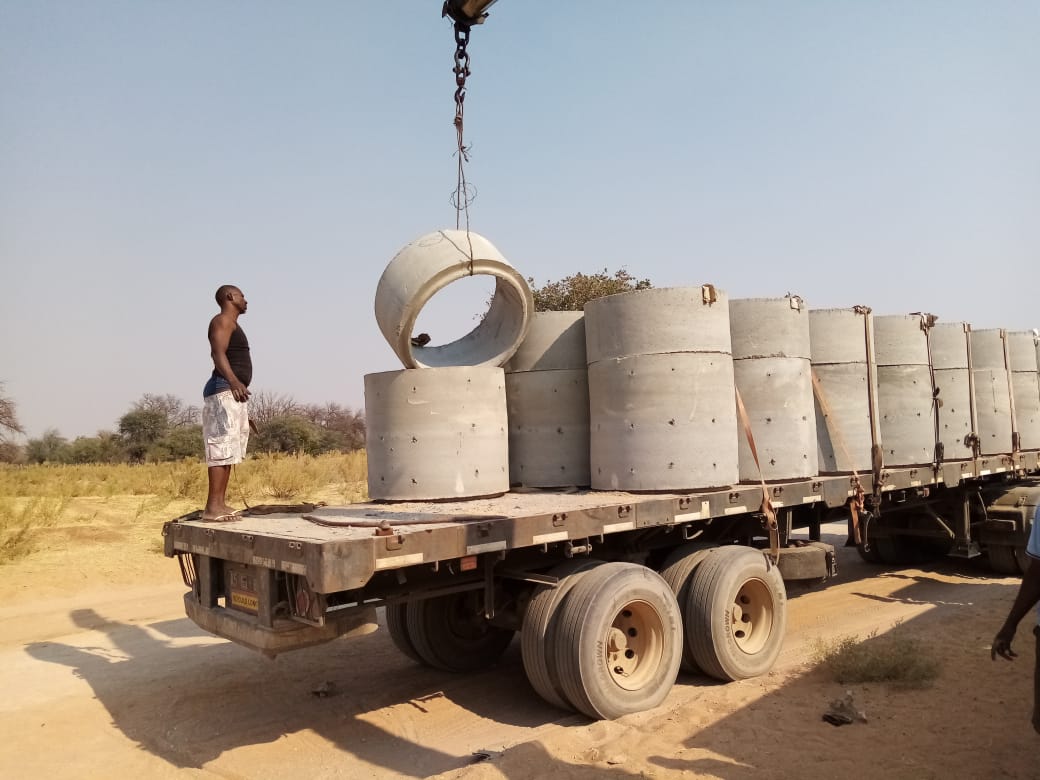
634, 645
751, 616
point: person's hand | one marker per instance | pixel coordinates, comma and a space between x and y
240, 391
1002, 646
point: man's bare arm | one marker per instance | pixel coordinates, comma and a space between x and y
220, 330
1027, 598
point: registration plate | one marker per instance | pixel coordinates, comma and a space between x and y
242, 590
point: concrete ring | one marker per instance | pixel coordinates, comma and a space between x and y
431, 263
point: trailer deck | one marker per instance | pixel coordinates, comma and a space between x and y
341, 548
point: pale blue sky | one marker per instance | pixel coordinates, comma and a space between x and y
882, 153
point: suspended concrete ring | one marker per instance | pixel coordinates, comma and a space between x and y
431, 263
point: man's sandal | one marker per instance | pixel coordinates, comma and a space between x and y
220, 518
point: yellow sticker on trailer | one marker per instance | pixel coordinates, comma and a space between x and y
245, 601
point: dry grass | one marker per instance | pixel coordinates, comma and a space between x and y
339, 477
892, 658
21, 521
56, 507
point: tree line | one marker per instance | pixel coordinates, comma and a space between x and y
162, 427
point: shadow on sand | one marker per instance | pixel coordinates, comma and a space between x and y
191, 703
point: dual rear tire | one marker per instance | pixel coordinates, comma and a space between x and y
609, 638
734, 610
447, 632
617, 643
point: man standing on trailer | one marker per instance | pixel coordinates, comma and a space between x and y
225, 411
1028, 597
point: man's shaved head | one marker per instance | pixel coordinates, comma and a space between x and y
223, 291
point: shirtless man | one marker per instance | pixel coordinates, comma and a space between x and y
225, 415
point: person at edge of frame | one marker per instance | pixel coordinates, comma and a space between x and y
1028, 597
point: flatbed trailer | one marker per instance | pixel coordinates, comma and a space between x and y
611, 592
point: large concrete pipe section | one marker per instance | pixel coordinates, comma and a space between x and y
949, 346
436, 433
842, 352
662, 414
429, 264
992, 382
907, 412
771, 369
1025, 386
547, 395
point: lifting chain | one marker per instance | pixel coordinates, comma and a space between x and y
463, 194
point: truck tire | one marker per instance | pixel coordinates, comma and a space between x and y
677, 571
909, 550
618, 643
537, 636
1008, 559
894, 551
868, 551
397, 625
808, 563
451, 633
736, 613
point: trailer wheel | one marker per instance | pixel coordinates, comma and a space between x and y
538, 635
397, 625
908, 550
451, 633
1008, 559
618, 643
736, 613
678, 572
867, 548
868, 551
894, 551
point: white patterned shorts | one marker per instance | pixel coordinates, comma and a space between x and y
225, 429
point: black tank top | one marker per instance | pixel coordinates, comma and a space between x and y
238, 356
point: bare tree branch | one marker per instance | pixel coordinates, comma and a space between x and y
176, 412
9, 424
265, 406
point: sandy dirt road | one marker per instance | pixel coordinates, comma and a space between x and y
116, 682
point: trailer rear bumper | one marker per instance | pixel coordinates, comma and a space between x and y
284, 635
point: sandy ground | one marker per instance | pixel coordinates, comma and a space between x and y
104, 677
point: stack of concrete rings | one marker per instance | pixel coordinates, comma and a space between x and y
842, 343
438, 429
992, 381
773, 375
661, 400
949, 343
547, 393
905, 392
1025, 387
